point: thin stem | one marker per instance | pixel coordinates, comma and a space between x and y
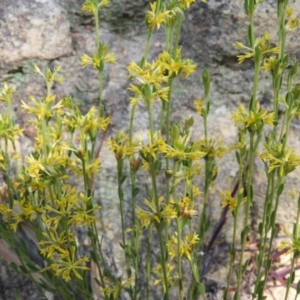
159, 231
148, 262
296, 237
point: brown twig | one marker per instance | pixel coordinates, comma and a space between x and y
97, 154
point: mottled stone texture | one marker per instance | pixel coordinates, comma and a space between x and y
51, 33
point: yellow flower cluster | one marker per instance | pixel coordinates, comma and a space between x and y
174, 66
98, 59
230, 201
44, 196
113, 289
186, 245
92, 6
182, 209
293, 245
262, 43
254, 119
121, 146
291, 23
171, 277
213, 148
150, 80
285, 161
157, 16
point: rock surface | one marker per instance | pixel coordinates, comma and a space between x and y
51, 33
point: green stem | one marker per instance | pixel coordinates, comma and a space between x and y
148, 263
295, 256
235, 225
159, 230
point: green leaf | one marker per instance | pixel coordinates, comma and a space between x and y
245, 232
260, 228
135, 191
201, 289
195, 272
257, 55
207, 225
246, 6
250, 35
280, 190
148, 93
206, 81
207, 107
175, 131
245, 265
238, 158
251, 192
298, 287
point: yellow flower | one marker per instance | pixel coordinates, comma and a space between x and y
292, 246
285, 161
184, 4
253, 119
68, 265
269, 64
55, 243
6, 93
158, 271
199, 106
229, 201
262, 43
169, 212
186, 245
173, 66
147, 217
104, 3
98, 59
213, 148
155, 18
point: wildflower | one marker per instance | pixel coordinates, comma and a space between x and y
83, 214
55, 242
213, 148
113, 289
199, 106
285, 161
173, 66
8, 130
292, 23
151, 74
262, 43
184, 207
293, 245
269, 64
158, 271
254, 119
121, 147
148, 83
91, 6
152, 215
155, 18
169, 212
6, 93
181, 150
186, 245
149, 151
98, 59
67, 265
229, 201
187, 174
